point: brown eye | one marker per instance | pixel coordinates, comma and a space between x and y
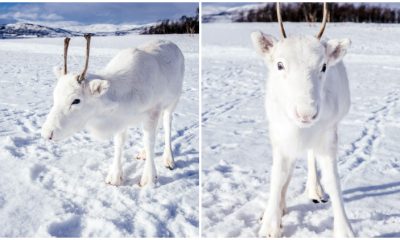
280, 66
323, 68
76, 101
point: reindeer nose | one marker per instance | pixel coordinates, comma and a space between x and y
307, 116
51, 135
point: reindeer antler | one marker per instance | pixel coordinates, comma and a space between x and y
323, 21
321, 31
66, 44
82, 76
278, 13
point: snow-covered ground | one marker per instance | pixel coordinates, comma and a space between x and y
236, 157
49, 189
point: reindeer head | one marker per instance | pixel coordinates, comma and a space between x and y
298, 68
75, 99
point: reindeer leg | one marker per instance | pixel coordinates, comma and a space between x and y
284, 191
314, 188
272, 218
114, 176
149, 134
168, 158
329, 169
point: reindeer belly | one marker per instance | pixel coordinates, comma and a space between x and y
107, 125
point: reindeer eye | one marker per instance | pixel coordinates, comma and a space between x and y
280, 66
76, 101
323, 68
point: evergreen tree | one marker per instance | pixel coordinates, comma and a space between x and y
312, 12
183, 25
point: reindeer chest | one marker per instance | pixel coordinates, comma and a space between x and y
292, 139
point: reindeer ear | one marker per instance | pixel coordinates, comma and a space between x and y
336, 49
98, 87
58, 71
262, 42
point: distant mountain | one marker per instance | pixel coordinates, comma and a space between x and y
26, 30
226, 14
29, 30
109, 29
93, 28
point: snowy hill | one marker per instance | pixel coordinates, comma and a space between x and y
108, 29
26, 30
93, 28
29, 30
225, 14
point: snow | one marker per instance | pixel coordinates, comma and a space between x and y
93, 28
57, 189
236, 152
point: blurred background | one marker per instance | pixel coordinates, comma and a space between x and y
302, 12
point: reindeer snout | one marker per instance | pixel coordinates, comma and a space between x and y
51, 135
306, 115
47, 134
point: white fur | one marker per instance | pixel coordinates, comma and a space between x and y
304, 106
139, 85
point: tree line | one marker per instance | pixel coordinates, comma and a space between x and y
183, 25
312, 12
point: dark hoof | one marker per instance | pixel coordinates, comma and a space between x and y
324, 200
170, 168
315, 201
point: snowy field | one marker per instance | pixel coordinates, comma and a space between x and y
236, 155
58, 190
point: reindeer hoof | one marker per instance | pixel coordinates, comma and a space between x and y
146, 181
169, 161
141, 155
170, 168
320, 201
114, 177
271, 224
270, 231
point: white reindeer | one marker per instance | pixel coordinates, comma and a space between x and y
139, 85
306, 97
